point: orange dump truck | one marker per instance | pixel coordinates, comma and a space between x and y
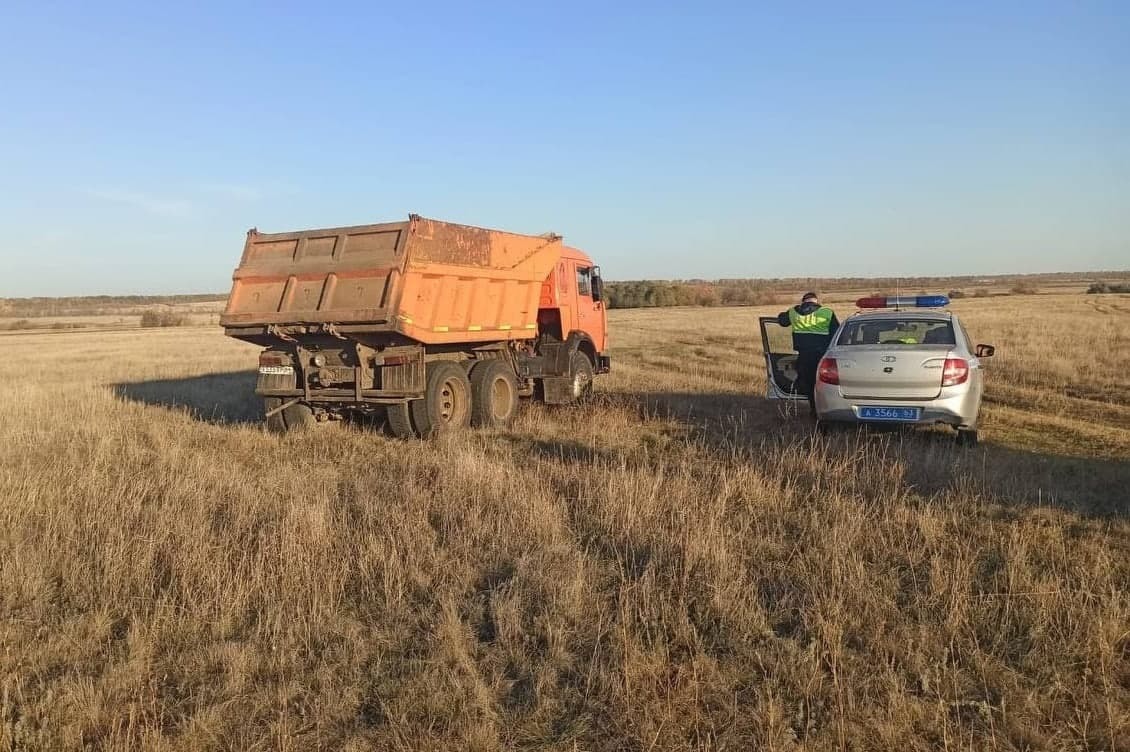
439, 324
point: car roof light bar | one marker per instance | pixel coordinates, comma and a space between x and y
903, 301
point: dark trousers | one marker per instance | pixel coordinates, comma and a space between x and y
807, 362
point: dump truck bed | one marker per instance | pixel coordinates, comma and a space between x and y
436, 282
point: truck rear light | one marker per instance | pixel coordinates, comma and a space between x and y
828, 372
274, 359
954, 372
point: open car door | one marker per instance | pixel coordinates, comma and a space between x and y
780, 359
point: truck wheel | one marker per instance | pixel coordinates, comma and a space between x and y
580, 370
494, 394
446, 405
400, 422
296, 417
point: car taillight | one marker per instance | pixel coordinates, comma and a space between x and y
828, 372
955, 371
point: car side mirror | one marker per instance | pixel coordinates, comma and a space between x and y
597, 289
985, 351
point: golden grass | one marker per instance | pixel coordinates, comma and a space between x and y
76, 313
679, 565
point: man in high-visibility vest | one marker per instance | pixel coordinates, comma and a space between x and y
813, 326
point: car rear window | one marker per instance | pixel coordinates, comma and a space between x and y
908, 331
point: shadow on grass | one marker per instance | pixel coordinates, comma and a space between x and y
932, 463
213, 398
745, 424
563, 450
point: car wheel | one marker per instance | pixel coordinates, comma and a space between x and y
967, 437
832, 427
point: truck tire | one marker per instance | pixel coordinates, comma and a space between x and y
494, 394
400, 422
446, 405
581, 372
296, 417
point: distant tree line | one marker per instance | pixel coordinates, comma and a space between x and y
95, 305
755, 292
935, 283
659, 294
1098, 288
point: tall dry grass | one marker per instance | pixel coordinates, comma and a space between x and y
679, 565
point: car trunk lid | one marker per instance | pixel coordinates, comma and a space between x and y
912, 373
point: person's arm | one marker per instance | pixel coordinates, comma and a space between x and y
783, 319
834, 325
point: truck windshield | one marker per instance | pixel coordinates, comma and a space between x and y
908, 331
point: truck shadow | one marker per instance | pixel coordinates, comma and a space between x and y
931, 462
730, 424
223, 398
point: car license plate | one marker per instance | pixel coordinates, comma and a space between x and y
904, 414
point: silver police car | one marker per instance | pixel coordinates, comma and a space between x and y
914, 364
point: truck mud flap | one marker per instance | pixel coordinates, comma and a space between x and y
554, 358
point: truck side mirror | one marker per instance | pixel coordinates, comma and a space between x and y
985, 351
597, 289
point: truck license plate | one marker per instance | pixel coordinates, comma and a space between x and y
277, 370
899, 414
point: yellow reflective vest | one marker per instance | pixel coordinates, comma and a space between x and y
817, 322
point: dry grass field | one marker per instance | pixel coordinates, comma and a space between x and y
677, 565
111, 317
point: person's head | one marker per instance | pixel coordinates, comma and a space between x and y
810, 297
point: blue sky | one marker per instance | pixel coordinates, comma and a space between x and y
139, 142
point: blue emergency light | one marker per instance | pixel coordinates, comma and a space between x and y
904, 301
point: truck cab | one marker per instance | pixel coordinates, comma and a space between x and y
572, 303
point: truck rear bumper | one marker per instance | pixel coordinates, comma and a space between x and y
371, 396
315, 396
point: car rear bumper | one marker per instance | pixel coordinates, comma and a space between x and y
955, 409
